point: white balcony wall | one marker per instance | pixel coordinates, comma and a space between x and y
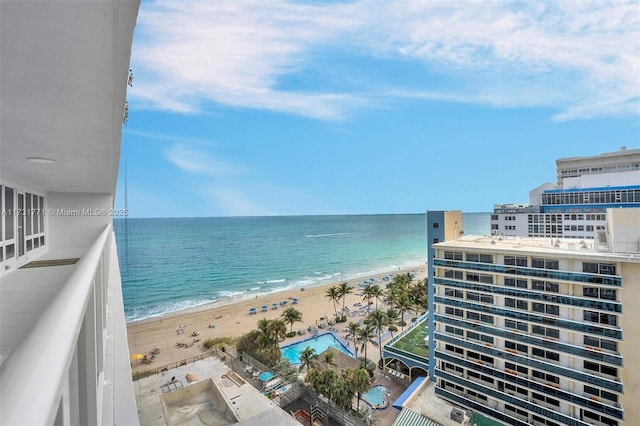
76, 219
70, 365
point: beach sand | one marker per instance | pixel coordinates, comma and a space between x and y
234, 320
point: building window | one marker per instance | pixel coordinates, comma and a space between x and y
544, 308
608, 345
599, 368
450, 273
513, 282
545, 331
454, 330
516, 325
545, 377
435, 225
601, 318
453, 255
545, 286
547, 399
515, 260
600, 393
554, 356
452, 311
599, 293
593, 417
516, 346
599, 268
453, 293
544, 263
480, 257
454, 349
516, 367
516, 303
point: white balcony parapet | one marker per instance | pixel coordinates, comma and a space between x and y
55, 374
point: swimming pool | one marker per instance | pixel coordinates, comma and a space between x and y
376, 397
320, 343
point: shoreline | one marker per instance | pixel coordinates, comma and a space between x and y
248, 295
234, 319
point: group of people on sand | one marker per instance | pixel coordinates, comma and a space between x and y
149, 359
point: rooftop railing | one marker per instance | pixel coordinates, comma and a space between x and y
55, 375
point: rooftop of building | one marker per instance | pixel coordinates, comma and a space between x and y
165, 398
620, 153
543, 246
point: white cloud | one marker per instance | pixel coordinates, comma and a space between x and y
228, 201
201, 162
232, 198
579, 57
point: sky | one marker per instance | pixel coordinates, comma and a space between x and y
254, 108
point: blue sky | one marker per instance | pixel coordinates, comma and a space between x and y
299, 107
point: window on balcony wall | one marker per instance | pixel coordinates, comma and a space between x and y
599, 268
595, 342
599, 293
601, 318
545, 286
515, 260
545, 263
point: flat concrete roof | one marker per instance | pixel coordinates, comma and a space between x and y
249, 405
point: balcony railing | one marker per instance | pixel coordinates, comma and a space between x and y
56, 374
575, 277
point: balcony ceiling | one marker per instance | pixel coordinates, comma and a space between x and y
63, 79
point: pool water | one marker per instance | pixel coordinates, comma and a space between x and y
265, 376
319, 343
376, 396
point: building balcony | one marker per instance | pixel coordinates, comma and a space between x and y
63, 341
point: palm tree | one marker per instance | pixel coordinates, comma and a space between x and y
342, 395
343, 290
327, 383
376, 292
352, 333
307, 358
403, 304
329, 358
365, 335
418, 292
264, 338
409, 277
378, 320
313, 379
359, 383
367, 294
333, 294
277, 330
396, 289
392, 316
291, 315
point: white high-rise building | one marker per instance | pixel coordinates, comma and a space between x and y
574, 207
64, 71
536, 330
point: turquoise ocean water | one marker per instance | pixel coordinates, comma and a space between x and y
169, 265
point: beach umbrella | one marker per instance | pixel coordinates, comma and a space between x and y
136, 357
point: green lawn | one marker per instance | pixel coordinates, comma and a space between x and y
413, 341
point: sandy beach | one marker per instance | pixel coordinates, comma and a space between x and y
233, 320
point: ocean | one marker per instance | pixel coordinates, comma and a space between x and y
169, 265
